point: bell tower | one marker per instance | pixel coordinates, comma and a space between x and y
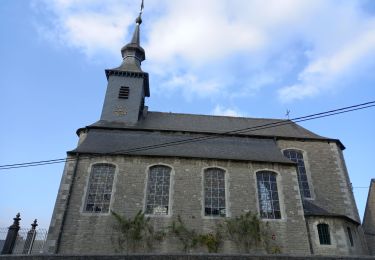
127, 85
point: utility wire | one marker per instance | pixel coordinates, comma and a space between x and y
203, 137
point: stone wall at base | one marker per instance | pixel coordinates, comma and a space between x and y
180, 257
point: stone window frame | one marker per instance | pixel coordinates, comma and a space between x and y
279, 191
308, 171
171, 190
350, 235
324, 234
331, 225
227, 204
85, 192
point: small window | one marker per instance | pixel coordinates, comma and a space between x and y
214, 192
297, 157
157, 197
123, 93
99, 190
269, 204
324, 236
350, 236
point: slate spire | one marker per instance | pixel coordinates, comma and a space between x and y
132, 53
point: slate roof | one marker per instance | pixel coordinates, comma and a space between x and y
311, 209
104, 141
254, 144
216, 124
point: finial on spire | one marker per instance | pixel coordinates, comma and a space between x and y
132, 53
139, 18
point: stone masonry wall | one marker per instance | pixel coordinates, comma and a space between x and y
326, 171
60, 206
94, 233
340, 242
331, 189
328, 178
369, 219
178, 257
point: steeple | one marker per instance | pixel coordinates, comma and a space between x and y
132, 53
128, 85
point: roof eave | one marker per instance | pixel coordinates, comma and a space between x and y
342, 147
74, 152
332, 216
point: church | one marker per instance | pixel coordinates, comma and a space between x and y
203, 170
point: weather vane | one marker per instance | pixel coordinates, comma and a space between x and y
142, 7
139, 18
287, 113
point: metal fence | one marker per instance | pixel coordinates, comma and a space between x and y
28, 241
3, 235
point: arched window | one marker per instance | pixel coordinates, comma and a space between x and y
296, 156
324, 236
157, 196
99, 191
214, 192
268, 196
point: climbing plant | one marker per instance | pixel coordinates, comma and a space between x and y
190, 239
136, 233
212, 241
248, 232
187, 237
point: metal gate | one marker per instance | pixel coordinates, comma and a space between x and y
22, 241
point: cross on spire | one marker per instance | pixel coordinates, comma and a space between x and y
132, 53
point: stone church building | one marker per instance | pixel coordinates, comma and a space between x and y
203, 168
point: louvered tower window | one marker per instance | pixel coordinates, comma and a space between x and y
123, 93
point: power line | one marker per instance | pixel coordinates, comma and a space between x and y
203, 137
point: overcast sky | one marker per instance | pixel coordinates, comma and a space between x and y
220, 57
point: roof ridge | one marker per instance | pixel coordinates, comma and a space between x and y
204, 115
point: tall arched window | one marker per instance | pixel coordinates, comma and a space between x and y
323, 232
296, 156
268, 196
157, 196
99, 191
214, 192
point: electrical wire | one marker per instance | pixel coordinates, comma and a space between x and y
202, 137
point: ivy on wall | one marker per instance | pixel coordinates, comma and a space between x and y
187, 237
246, 231
136, 233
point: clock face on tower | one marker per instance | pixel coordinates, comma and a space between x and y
120, 111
